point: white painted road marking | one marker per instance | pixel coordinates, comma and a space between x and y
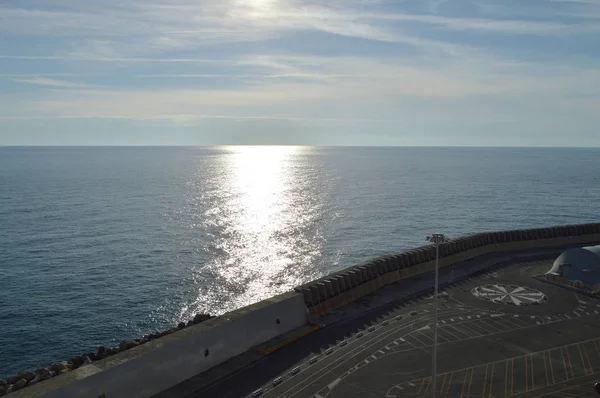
334, 383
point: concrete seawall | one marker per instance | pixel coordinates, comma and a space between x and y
162, 363
343, 287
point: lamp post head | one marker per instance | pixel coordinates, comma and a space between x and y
437, 238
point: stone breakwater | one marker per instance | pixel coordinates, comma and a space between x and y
348, 285
28, 378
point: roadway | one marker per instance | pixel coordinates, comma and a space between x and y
486, 348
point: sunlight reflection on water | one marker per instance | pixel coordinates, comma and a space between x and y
130, 241
261, 208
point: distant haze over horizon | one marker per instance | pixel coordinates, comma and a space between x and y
294, 145
300, 72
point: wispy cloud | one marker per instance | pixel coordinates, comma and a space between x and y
194, 117
101, 58
133, 32
31, 75
43, 81
445, 62
345, 86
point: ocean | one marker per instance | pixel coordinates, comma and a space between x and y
107, 243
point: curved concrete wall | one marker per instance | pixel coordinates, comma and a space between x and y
162, 363
346, 286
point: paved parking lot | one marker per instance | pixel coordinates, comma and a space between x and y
487, 348
512, 376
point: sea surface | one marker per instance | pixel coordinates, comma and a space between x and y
102, 244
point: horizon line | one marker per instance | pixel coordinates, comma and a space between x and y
289, 145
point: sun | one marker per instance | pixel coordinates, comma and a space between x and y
261, 3
258, 8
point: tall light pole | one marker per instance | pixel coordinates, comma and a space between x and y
435, 239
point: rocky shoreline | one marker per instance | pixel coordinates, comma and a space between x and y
24, 379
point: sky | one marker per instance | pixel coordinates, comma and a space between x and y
300, 72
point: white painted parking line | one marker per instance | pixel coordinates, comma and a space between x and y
512, 323
443, 321
467, 332
486, 326
441, 336
587, 313
421, 343
495, 326
359, 347
516, 322
478, 316
452, 319
402, 339
373, 356
411, 384
424, 335
581, 301
460, 317
451, 334
381, 351
509, 322
595, 311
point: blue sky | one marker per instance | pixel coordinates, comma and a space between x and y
335, 72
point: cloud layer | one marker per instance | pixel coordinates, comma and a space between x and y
372, 69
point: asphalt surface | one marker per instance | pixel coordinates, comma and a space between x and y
485, 348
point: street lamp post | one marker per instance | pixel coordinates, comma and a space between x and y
435, 239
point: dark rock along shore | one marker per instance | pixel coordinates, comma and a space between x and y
24, 379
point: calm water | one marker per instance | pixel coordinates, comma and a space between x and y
101, 244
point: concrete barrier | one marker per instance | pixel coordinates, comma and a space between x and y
162, 363
366, 278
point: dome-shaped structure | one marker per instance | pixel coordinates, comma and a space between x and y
581, 264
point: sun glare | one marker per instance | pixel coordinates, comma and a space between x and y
257, 8
261, 178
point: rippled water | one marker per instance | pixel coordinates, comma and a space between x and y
100, 244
